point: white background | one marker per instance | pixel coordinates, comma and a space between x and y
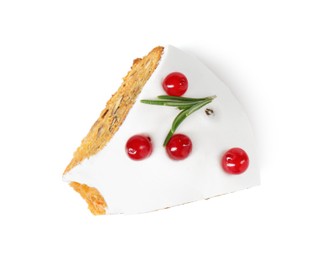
60, 61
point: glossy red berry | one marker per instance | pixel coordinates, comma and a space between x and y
139, 147
179, 147
235, 161
175, 84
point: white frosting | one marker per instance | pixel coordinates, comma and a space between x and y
158, 182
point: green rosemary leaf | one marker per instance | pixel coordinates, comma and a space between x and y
183, 107
182, 116
169, 103
165, 97
177, 121
167, 139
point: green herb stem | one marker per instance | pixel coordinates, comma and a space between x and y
187, 105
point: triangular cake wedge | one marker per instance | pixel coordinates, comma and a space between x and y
112, 183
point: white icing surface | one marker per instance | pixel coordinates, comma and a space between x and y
158, 182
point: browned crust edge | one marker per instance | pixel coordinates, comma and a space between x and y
95, 201
110, 120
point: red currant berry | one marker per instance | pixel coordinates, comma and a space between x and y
175, 84
235, 161
179, 147
139, 147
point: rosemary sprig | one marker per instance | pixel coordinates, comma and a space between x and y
187, 105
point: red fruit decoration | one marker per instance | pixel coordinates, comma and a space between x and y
139, 147
179, 147
175, 84
235, 161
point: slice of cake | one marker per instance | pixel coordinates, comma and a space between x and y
173, 133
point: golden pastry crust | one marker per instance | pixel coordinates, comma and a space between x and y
117, 108
110, 119
95, 201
